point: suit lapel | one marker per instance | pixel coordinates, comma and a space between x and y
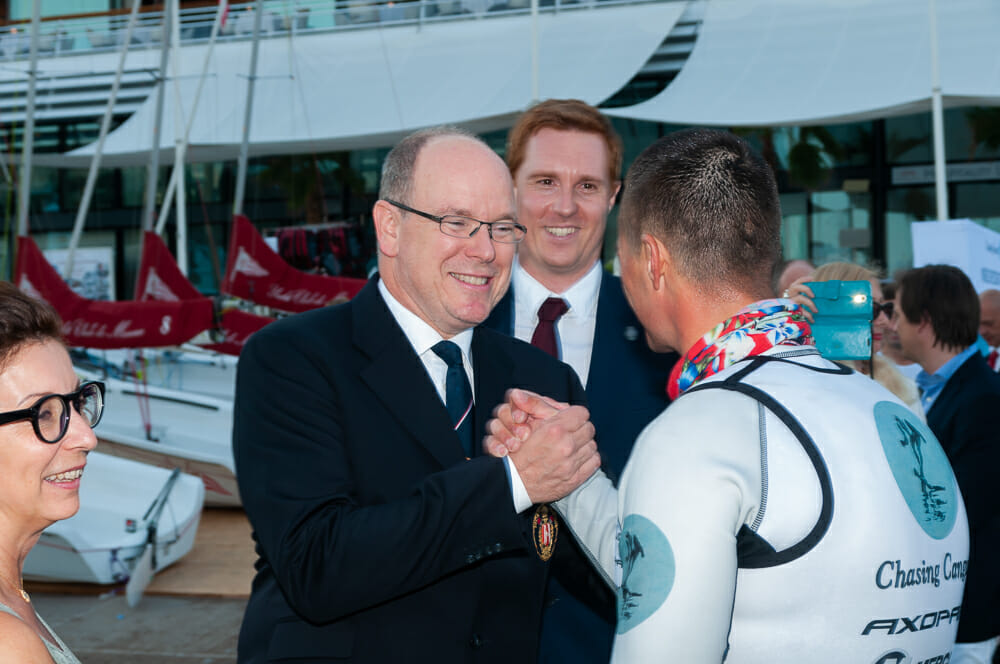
501, 318
943, 406
492, 370
608, 336
398, 377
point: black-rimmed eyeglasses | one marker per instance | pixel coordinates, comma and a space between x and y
882, 307
507, 232
50, 414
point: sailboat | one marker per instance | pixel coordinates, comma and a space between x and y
173, 426
125, 508
134, 519
160, 426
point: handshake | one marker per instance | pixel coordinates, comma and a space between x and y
550, 443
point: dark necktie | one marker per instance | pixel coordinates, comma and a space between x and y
545, 333
458, 393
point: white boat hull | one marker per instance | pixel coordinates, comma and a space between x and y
188, 369
98, 545
188, 430
217, 478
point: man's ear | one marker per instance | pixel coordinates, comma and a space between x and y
387, 220
925, 325
655, 259
616, 187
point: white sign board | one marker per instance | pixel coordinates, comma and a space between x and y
968, 246
93, 271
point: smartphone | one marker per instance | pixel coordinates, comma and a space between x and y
842, 324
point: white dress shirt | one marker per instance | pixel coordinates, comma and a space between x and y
575, 329
423, 337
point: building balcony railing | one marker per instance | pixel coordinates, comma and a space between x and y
106, 32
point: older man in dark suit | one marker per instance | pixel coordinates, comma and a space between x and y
936, 316
565, 159
382, 534
989, 325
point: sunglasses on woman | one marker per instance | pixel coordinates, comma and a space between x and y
50, 415
883, 307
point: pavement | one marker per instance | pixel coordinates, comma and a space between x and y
102, 629
190, 613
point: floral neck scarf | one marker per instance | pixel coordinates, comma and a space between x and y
753, 330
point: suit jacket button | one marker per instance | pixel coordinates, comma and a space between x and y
471, 558
476, 641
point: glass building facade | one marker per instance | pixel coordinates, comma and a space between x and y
848, 192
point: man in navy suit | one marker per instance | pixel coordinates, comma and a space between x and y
565, 159
382, 534
937, 316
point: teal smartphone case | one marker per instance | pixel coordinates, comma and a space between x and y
842, 325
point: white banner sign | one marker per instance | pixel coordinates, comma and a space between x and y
93, 271
967, 245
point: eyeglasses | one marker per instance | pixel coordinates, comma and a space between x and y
506, 232
50, 414
884, 307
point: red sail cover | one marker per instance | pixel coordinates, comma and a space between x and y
159, 277
255, 272
161, 280
237, 326
109, 324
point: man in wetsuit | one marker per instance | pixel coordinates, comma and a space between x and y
784, 508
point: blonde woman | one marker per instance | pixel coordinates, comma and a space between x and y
881, 369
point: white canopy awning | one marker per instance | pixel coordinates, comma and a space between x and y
367, 87
789, 62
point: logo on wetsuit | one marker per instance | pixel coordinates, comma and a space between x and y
900, 657
919, 466
893, 657
647, 562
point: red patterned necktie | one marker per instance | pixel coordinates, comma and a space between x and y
992, 359
545, 333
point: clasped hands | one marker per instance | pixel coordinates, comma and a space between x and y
550, 443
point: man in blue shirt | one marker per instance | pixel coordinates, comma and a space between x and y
937, 319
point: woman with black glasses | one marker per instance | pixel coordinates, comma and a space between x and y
46, 420
879, 368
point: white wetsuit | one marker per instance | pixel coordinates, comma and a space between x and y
815, 520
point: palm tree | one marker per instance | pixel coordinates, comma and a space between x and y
300, 179
811, 156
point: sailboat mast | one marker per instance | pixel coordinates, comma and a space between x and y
28, 144
241, 169
535, 86
95, 163
180, 143
152, 175
937, 121
175, 186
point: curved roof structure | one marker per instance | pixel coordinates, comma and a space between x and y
788, 62
368, 87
